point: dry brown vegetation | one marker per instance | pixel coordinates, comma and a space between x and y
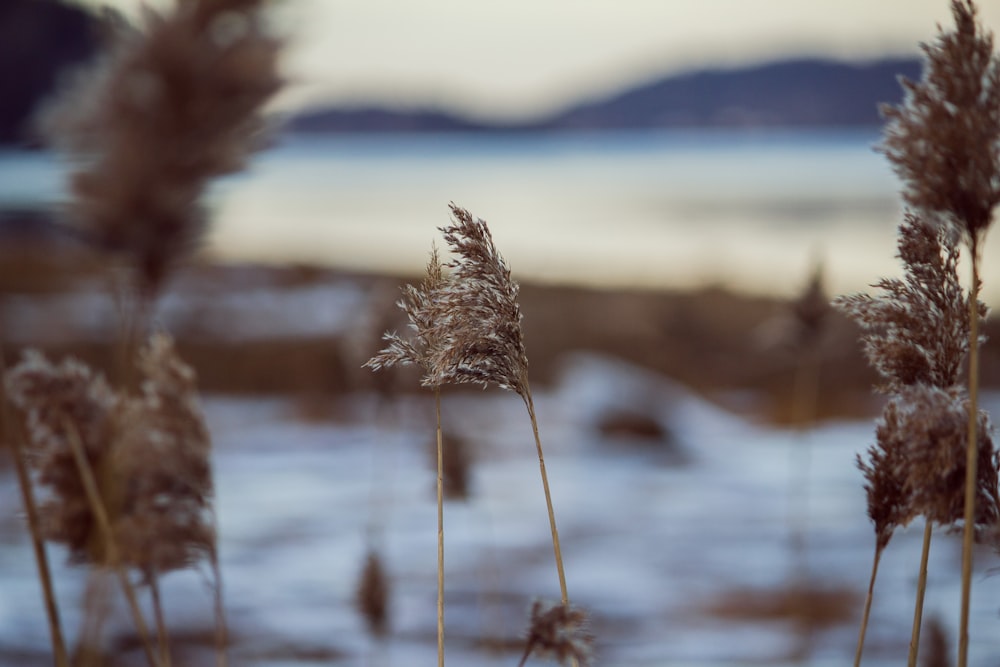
116, 441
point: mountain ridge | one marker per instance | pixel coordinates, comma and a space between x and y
799, 92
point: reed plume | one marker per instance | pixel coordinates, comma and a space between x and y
480, 319
70, 414
467, 329
482, 341
146, 456
162, 463
12, 438
944, 143
915, 331
52, 396
916, 335
175, 103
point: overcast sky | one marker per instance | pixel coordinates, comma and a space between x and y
517, 58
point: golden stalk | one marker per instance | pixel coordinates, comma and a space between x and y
101, 517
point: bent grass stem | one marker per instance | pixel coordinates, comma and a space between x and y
972, 456
548, 496
34, 527
868, 606
101, 517
440, 534
918, 610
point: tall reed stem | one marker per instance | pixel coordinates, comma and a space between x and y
34, 525
548, 495
161, 623
805, 402
221, 627
868, 607
440, 540
101, 517
972, 455
918, 609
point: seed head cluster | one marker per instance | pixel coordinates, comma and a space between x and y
944, 139
149, 452
916, 331
916, 335
944, 143
466, 324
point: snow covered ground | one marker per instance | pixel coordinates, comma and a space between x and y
655, 535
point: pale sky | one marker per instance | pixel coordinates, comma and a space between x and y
518, 58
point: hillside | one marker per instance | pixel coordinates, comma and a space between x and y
790, 93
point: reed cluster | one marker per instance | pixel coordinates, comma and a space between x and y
123, 465
934, 454
118, 469
466, 328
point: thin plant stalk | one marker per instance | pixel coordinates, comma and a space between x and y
101, 517
918, 610
868, 606
221, 627
804, 412
530, 404
548, 496
162, 637
972, 455
97, 605
133, 318
34, 527
440, 532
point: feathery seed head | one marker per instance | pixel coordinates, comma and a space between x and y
176, 103
928, 428
55, 398
150, 454
423, 312
162, 461
944, 139
481, 328
917, 330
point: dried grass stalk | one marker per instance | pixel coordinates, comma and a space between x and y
467, 329
482, 342
916, 334
423, 309
13, 439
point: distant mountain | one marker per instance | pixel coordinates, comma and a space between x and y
377, 119
791, 93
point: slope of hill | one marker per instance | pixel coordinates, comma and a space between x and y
790, 93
